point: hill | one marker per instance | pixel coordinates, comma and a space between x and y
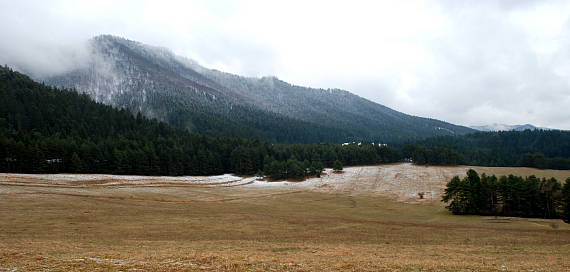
503, 127
45, 129
159, 84
532, 148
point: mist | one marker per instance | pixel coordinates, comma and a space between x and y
466, 62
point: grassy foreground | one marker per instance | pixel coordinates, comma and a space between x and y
46, 229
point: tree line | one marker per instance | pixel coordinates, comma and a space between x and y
545, 149
48, 130
539, 160
508, 196
45, 129
422, 155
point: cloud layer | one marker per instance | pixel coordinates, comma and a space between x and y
467, 62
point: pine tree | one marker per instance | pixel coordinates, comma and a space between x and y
275, 170
294, 169
317, 168
75, 164
475, 198
549, 189
455, 195
337, 166
566, 201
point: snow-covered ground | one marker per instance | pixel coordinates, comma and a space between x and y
100, 179
404, 182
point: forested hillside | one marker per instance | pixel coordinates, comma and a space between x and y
44, 129
154, 81
532, 148
336, 108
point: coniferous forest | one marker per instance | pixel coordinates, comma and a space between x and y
178, 91
508, 196
545, 149
47, 130
44, 129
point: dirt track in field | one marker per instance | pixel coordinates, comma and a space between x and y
156, 199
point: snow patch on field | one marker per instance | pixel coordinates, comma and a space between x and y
117, 180
404, 182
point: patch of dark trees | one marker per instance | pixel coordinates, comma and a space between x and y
47, 130
508, 196
544, 149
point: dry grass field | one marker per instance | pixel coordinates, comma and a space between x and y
365, 219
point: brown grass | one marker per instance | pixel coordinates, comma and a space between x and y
560, 175
261, 229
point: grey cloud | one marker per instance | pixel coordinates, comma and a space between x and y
486, 72
486, 69
36, 41
245, 57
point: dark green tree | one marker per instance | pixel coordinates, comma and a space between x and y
275, 170
316, 168
337, 165
566, 201
294, 169
455, 195
76, 164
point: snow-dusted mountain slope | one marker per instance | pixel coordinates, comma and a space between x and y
159, 84
503, 127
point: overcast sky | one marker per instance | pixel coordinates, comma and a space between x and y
466, 62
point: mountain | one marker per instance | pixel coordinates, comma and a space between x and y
44, 129
159, 84
503, 127
48, 130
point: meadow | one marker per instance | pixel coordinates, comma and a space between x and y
365, 219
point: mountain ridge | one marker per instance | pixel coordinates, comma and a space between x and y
504, 127
156, 82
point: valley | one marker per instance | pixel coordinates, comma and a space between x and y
284, 136
367, 218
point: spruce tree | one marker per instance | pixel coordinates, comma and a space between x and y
566, 201
294, 169
455, 195
317, 167
337, 165
75, 164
